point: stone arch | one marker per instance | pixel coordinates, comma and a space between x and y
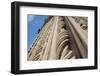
61, 39
61, 47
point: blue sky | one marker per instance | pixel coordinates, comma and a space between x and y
35, 22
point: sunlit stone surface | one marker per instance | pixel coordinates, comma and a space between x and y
61, 38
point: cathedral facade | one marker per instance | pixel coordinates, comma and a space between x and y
61, 37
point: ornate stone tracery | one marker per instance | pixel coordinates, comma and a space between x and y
59, 39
